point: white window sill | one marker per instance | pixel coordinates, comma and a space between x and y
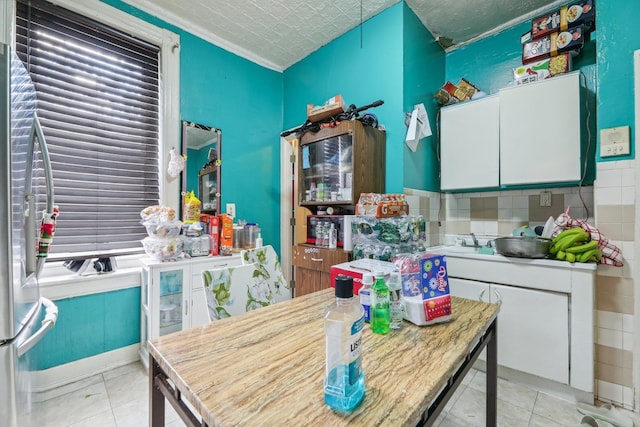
57, 282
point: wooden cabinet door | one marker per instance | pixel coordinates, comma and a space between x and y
313, 267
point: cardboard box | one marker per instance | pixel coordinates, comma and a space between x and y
382, 205
582, 12
571, 40
541, 70
332, 107
226, 234
356, 269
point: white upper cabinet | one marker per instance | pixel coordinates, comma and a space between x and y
540, 132
470, 144
523, 135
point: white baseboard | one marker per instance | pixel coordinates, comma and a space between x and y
74, 375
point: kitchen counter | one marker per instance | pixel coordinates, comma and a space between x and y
266, 367
472, 253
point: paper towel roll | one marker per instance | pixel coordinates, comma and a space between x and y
346, 233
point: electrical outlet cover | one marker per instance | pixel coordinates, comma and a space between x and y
614, 141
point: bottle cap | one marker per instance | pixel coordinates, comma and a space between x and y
395, 281
367, 279
344, 286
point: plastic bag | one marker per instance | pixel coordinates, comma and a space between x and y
192, 205
176, 164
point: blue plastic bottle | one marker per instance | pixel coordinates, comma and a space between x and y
343, 323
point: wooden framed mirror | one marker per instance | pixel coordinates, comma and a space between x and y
201, 144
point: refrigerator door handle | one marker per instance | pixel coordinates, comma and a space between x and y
50, 318
35, 261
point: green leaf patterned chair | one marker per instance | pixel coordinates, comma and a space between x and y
256, 283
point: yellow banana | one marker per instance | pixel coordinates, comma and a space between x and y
586, 256
568, 232
593, 244
572, 240
568, 241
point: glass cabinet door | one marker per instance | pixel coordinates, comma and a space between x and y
327, 170
172, 285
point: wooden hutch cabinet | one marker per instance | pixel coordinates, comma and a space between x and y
335, 165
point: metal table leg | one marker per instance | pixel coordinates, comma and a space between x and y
492, 376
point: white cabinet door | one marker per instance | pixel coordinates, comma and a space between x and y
199, 315
540, 127
470, 144
533, 327
533, 331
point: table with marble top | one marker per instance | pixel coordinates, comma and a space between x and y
266, 367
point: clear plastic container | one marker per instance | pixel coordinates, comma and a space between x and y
251, 233
163, 228
238, 238
163, 249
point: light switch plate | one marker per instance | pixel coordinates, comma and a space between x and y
231, 210
614, 141
545, 198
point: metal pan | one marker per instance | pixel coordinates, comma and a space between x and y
523, 246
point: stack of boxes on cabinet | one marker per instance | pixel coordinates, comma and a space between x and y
547, 50
382, 228
555, 38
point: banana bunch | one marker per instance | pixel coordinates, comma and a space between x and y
575, 245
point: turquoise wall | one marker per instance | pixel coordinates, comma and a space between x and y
89, 325
361, 73
423, 74
617, 38
244, 100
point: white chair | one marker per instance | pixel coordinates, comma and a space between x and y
258, 282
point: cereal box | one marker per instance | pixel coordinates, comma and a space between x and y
553, 44
580, 12
226, 234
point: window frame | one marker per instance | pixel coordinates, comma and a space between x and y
169, 80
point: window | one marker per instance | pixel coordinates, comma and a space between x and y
100, 105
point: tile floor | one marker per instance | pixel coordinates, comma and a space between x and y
119, 398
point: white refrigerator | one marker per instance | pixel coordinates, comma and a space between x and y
27, 221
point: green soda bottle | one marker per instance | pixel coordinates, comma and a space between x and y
380, 314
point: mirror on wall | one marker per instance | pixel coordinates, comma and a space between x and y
201, 145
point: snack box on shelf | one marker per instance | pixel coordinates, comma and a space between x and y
582, 12
543, 69
571, 40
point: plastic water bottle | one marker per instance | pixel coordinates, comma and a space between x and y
365, 295
380, 315
343, 324
396, 308
333, 237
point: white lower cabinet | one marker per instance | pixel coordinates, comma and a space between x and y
546, 317
533, 327
172, 296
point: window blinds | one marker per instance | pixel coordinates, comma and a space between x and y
97, 91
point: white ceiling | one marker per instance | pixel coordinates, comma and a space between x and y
279, 33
